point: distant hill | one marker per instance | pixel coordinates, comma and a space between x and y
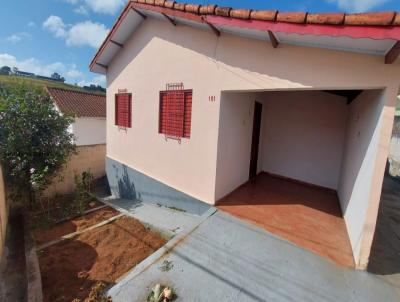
10, 80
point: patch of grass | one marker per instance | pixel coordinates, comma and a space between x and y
166, 266
97, 294
51, 210
16, 80
176, 209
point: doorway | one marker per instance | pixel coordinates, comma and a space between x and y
255, 143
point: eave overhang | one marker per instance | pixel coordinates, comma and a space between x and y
381, 40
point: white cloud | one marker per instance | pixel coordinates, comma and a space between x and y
32, 24
73, 73
105, 6
55, 25
100, 80
31, 65
97, 80
80, 34
109, 7
81, 10
15, 38
86, 33
357, 5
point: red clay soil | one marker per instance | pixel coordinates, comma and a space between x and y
308, 216
71, 268
45, 235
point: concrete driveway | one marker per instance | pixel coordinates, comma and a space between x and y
226, 259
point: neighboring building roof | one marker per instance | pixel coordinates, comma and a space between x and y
382, 27
82, 104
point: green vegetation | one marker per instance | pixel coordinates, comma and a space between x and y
37, 83
83, 185
34, 139
166, 266
161, 293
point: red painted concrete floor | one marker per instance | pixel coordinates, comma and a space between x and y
310, 217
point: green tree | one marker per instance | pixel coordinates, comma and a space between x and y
34, 139
5, 70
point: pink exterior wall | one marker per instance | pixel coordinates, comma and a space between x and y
366, 150
234, 144
303, 136
159, 53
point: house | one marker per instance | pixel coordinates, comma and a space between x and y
89, 129
202, 99
24, 74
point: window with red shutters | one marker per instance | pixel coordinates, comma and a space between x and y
176, 113
123, 110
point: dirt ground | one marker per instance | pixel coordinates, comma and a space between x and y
71, 268
44, 235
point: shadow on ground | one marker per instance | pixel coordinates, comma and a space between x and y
65, 269
12, 266
385, 252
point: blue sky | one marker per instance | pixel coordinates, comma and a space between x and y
46, 36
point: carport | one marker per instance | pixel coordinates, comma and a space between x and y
296, 164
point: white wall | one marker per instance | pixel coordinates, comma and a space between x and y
89, 131
234, 141
303, 136
357, 176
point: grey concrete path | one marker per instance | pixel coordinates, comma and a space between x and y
225, 259
160, 217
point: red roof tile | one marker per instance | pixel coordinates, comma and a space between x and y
384, 20
379, 19
333, 19
373, 19
82, 104
240, 13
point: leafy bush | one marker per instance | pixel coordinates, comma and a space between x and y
82, 190
34, 139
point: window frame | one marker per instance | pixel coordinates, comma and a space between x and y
185, 134
117, 118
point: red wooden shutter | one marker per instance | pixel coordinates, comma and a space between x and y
176, 102
172, 105
163, 113
129, 110
123, 107
116, 110
188, 114
175, 113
